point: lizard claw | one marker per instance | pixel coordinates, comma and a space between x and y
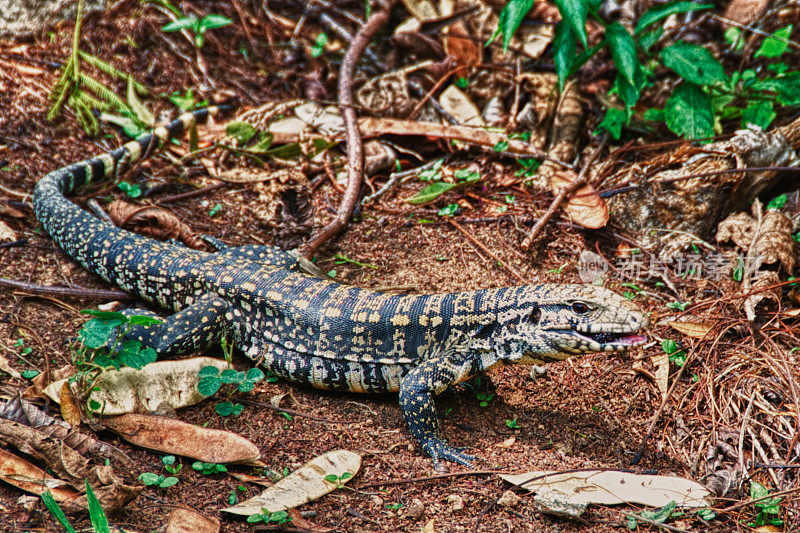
439, 450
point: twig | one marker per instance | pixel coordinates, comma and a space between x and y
355, 146
77, 292
579, 182
477, 243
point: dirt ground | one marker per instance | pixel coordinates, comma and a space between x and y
587, 412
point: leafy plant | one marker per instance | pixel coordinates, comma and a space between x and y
437, 188
211, 380
338, 480
198, 26
512, 424
102, 347
705, 94
187, 101
208, 469
150, 479
676, 355
657, 516
131, 190
767, 509
319, 44
341, 259
278, 517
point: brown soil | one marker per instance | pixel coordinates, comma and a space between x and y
589, 412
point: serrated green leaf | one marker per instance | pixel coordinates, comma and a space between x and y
623, 50
689, 112
574, 12
760, 113
693, 63
564, 47
255, 375
208, 372
657, 13
109, 316
140, 320
431, 193
208, 386
241, 131
511, 17
772, 46
786, 87
96, 333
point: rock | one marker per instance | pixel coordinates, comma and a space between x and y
19, 18
456, 502
415, 509
509, 499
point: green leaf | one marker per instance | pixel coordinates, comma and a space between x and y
346, 475
564, 47
139, 359
55, 510
168, 482
693, 63
574, 12
331, 478
246, 386
224, 408
733, 36
647, 40
96, 513
689, 112
657, 13
109, 316
29, 374
613, 121
655, 115
511, 17
448, 211
779, 202
758, 491
431, 193
183, 23
629, 93
623, 50
96, 333
214, 21
140, 320
229, 375
760, 113
772, 47
241, 131
255, 375
209, 386
787, 87
208, 372
149, 478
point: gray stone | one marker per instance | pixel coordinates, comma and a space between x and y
20, 18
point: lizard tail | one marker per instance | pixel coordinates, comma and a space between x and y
82, 236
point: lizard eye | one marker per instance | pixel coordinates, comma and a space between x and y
580, 308
536, 315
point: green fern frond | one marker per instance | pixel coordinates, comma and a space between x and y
104, 93
112, 71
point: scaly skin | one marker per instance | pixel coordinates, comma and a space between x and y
317, 332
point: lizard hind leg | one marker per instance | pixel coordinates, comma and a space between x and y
194, 328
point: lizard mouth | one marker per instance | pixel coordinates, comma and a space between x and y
611, 341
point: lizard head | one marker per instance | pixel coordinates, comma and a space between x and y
560, 321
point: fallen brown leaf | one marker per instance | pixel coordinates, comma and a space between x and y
30, 478
182, 520
70, 411
585, 207
696, 330
181, 438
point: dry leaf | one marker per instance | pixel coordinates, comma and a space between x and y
696, 330
508, 443
305, 484
181, 438
771, 241
5, 367
764, 279
459, 45
661, 362
24, 475
153, 222
421, 9
572, 492
170, 384
457, 103
70, 411
585, 207
182, 520
429, 527
6, 233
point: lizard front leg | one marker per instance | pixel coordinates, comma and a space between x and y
190, 329
417, 388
